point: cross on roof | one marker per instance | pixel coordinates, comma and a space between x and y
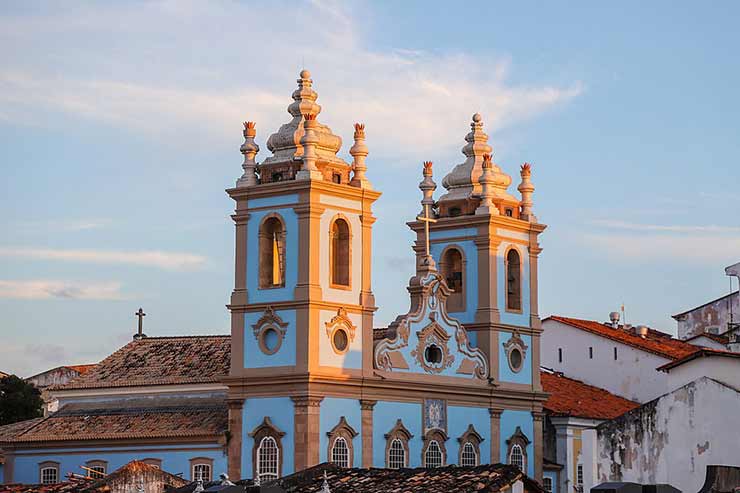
140, 314
426, 219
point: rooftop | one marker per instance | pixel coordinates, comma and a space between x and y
655, 342
164, 418
702, 352
570, 397
159, 361
679, 315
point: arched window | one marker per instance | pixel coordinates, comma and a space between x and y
96, 469
396, 455
513, 280
201, 468
49, 472
433, 455
516, 457
339, 252
517, 453
268, 458
267, 462
340, 452
470, 447
272, 253
397, 446
452, 267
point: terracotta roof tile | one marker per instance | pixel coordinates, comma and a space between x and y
81, 369
702, 352
569, 397
72, 423
160, 361
655, 342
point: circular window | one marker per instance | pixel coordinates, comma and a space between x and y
340, 340
515, 359
433, 354
270, 340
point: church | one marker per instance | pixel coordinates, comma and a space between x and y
305, 376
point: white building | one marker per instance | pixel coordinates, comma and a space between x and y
622, 360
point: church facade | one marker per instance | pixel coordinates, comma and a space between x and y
305, 376
453, 381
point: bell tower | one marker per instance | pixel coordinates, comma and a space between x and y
302, 305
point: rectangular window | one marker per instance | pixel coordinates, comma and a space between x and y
590, 352
579, 475
560, 355
49, 475
547, 484
615, 353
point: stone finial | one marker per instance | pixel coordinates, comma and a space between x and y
250, 149
304, 98
462, 181
486, 181
526, 188
427, 187
310, 139
359, 152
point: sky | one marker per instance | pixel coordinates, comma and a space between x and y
120, 127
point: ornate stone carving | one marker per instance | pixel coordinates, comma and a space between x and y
269, 321
433, 336
511, 347
340, 321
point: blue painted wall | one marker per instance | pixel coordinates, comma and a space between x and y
385, 415
509, 421
285, 293
175, 460
458, 419
285, 356
2, 480
281, 413
470, 252
274, 201
505, 374
332, 410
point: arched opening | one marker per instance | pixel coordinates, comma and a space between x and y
433, 455
516, 457
340, 452
452, 270
468, 455
340, 260
513, 281
272, 253
396, 455
268, 459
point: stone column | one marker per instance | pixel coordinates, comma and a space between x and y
234, 445
495, 434
239, 297
539, 446
306, 430
367, 431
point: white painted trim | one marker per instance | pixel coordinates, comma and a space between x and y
128, 391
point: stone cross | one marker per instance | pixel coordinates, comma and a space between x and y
426, 219
140, 314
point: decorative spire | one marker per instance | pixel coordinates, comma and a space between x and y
309, 171
427, 187
462, 181
249, 148
359, 153
325, 485
526, 188
486, 183
285, 144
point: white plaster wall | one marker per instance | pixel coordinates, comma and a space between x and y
633, 375
349, 296
725, 370
706, 342
672, 439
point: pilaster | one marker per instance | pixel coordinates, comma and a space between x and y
495, 414
366, 407
234, 445
306, 430
538, 422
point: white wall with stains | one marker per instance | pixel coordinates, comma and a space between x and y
669, 440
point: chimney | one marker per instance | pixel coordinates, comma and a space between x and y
642, 331
614, 319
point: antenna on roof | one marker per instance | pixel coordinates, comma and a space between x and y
140, 334
624, 316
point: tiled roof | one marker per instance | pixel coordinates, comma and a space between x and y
160, 361
569, 397
157, 420
700, 353
655, 342
81, 369
721, 339
449, 479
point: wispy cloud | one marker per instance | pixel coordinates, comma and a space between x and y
62, 226
666, 228
705, 248
164, 260
48, 289
409, 99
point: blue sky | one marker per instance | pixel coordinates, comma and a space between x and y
120, 128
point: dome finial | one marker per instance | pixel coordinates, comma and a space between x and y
250, 149
359, 152
526, 188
